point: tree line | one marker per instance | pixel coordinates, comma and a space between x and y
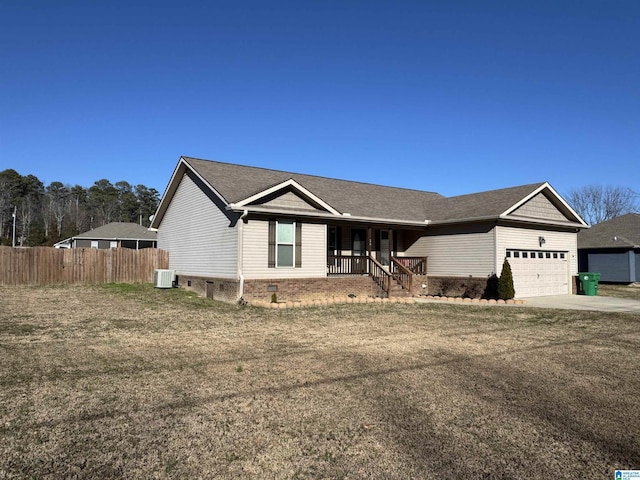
47, 214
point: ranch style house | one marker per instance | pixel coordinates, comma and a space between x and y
236, 231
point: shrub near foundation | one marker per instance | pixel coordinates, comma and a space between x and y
506, 291
465, 287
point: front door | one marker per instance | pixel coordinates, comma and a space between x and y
359, 241
358, 249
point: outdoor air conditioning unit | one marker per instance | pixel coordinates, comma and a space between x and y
163, 278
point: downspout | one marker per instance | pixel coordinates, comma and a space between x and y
495, 248
241, 252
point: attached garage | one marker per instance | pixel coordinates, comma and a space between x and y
539, 272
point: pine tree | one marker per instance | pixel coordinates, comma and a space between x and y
505, 284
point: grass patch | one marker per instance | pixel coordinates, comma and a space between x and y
135, 382
619, 291
18, 326
150, 295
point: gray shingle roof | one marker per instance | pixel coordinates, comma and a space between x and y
119, 231
491, 203
237, 182
619, 232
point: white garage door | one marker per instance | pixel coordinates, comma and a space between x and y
539, 272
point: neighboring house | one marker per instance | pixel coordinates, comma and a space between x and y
612, 248
113, 235
236, 231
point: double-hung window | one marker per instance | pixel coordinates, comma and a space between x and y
285, 244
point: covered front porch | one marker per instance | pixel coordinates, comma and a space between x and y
375, 251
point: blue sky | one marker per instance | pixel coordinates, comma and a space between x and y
449, 96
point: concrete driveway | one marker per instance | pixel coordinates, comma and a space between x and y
582, 302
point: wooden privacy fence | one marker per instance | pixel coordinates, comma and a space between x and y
47, 266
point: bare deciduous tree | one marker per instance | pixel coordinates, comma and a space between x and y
26, 214
58, 196
597, 203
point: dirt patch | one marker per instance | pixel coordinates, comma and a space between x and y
122, 381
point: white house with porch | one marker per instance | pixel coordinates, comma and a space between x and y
236, 231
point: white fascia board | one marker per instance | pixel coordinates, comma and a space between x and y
306, 213
172, 186
234, 207
543, 222
524, 200
544, 186
289, 183
573, 212
165, 197
391, 221
63, 242
115, 238
523, 220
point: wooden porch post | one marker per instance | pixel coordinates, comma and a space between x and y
369, 237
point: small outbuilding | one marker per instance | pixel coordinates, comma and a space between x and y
612, 248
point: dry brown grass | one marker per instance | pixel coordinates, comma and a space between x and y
619, 291
113, 382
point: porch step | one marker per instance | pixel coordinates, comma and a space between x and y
398, 291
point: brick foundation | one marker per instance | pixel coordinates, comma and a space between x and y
472, 287
305, 289
286, 290
299, 289
222, 289
417, 283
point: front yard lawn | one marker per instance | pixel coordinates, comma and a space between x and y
619, 291
131, 382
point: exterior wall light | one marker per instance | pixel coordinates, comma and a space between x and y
541, 241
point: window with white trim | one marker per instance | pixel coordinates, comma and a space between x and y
94, 243
285, 243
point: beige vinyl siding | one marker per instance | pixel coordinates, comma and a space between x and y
289, 200
540, 207
457, 254
528, 239
197, 235
256, 250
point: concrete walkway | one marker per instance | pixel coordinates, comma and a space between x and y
583, 302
